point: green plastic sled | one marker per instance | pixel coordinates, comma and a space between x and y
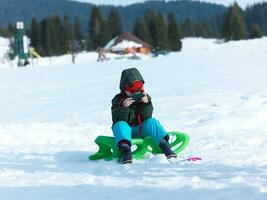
108, 149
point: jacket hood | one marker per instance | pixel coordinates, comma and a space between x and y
129, 76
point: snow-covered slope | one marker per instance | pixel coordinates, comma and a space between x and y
51, 114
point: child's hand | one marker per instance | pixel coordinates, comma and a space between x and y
127, 102
145, 99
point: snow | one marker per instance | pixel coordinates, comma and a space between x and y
110, 43
4, 46
51, 112
122, 45
127, 44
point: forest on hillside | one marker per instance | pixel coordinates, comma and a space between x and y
162, 29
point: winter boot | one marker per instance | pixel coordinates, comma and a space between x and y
126, 153
166, 149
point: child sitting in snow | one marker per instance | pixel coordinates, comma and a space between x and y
132, 116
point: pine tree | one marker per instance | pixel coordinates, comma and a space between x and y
94, 27
11, 28
55, 29
114, 23
78, 37
234, 27
188, 28
255, 31
67, 35
257, 14
161, 33
77, 33
174, 34
203, 29
157, 27
45, 38
35, 34
140, 29
104, 35
150, 20
2, 32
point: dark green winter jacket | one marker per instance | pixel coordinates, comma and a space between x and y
129, 114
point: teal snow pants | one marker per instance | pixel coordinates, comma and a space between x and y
150, 127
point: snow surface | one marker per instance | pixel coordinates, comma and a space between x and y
4, 46
110, 43
122, 45
51, 112
127, 44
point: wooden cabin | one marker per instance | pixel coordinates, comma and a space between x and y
127, 43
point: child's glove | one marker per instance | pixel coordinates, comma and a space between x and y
145, 99
127, 102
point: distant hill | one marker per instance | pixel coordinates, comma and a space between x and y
24, 10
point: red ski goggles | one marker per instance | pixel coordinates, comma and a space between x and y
135, 87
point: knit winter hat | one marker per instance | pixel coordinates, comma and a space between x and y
136, 86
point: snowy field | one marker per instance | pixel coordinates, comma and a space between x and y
4, 46
51, 113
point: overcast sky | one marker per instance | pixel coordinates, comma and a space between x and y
242, 3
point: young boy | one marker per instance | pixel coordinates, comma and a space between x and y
132, 116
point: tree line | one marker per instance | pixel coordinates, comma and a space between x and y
53, 36
56, 35
236, 27
159, 31
78, 10
154, 28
